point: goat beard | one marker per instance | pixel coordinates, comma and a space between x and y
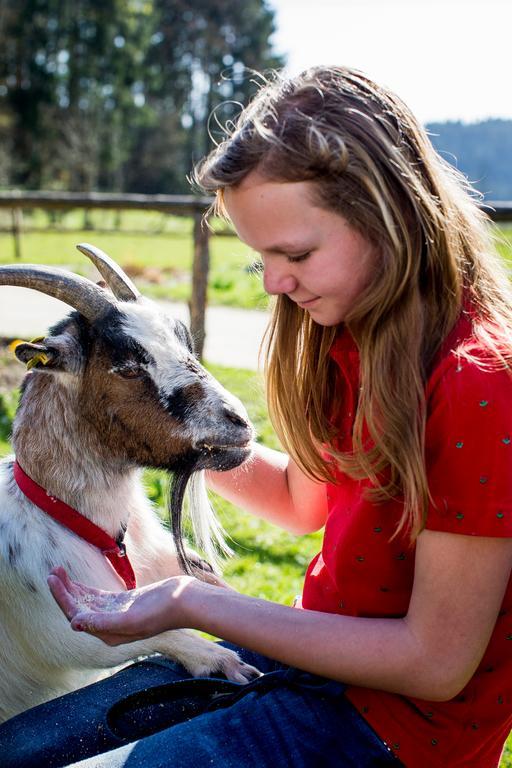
176, 496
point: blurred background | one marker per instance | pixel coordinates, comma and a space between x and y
116, 95
106, 104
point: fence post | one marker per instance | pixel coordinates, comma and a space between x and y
16, 231
200, 267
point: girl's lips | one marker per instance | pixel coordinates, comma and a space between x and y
308, 303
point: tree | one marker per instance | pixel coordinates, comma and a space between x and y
116, 94
201, 54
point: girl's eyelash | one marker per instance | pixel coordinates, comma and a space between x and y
300, 257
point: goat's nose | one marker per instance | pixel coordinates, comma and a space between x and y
235, 418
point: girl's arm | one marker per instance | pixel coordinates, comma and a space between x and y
430, 654
271, 485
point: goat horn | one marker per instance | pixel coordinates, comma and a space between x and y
81, 294
119, 283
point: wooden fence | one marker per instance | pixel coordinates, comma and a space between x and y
177, 205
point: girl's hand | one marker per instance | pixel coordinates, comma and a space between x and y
122, 617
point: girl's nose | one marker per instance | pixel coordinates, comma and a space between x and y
277, 279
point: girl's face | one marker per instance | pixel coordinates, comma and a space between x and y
310, 254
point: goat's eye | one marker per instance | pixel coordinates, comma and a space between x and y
129, 371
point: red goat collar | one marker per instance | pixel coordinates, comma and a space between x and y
114, 551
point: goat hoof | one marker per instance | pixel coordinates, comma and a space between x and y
228, 663
235, 669
244, 674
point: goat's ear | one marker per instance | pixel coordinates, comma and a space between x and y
52, 354
35, 355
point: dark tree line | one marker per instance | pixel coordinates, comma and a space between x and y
116, 94
482, 151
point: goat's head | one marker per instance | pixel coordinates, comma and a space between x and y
140, 385
133, 371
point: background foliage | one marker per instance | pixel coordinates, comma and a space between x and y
118, 95
115, 94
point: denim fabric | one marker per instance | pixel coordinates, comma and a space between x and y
153, 714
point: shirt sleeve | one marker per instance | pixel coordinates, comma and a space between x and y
468, 450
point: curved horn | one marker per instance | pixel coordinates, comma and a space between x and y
119, 283
81, 294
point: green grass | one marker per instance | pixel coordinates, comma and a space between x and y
504, 243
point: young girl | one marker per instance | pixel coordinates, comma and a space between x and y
388, 385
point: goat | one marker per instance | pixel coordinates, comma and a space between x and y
112, 388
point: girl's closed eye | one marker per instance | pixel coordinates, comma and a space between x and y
294, 258
257, 266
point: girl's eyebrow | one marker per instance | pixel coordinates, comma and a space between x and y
286, 248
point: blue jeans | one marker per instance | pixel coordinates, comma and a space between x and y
153, 714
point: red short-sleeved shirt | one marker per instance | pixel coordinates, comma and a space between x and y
360, 572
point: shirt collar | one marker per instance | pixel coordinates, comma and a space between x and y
344, 349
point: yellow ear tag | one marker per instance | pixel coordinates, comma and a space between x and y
15, 343
41, 357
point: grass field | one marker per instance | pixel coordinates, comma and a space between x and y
156, 251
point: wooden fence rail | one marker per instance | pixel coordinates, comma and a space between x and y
177, 205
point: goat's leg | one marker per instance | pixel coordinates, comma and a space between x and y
67, 648
200, 657
56, 660
203, 658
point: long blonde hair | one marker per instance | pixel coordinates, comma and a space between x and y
372, 163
